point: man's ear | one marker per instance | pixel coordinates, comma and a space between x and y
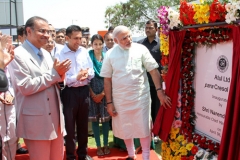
29, 30
115, 40
66, 38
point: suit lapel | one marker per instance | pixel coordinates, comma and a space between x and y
34, 58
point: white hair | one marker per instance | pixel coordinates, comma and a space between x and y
118, 30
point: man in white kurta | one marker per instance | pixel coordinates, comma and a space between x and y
127, 90
131, 96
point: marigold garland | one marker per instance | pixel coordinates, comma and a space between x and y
164, 48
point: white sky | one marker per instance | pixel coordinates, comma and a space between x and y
62, 13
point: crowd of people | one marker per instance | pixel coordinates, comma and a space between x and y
58, 86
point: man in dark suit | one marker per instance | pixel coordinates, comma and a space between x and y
40, 120
153, 45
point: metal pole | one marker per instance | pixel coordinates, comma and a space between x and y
10, 16
209, 25
16, 12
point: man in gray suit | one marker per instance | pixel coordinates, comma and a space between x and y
40, 121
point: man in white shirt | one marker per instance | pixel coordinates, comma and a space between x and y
75, 95
127, 93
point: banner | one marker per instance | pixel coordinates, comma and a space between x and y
212, 83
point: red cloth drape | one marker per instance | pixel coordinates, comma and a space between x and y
164, 119
230, 142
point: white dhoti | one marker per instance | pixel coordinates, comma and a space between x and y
133, 119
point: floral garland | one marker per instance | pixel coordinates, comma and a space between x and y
183, 143
210, 11
162, 15
164, 47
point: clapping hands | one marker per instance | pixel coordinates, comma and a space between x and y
62, 67
6, 50
82, 74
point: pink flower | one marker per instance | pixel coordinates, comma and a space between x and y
177, 114
177, 124
179, 104
162, 15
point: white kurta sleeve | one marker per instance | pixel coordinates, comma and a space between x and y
148, 61
107, 69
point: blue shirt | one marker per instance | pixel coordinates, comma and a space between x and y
35, 49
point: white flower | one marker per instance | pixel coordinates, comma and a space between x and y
233, 17
228, 7
206, 156
173, 17
200, 153
232, 11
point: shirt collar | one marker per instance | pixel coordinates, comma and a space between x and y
66, 49
155, 39
106, 48
35, 49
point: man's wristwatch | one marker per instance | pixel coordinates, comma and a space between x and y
159, 89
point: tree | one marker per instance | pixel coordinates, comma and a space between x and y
135, 13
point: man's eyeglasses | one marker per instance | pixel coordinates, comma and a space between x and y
44, 31
59, 36
50, 42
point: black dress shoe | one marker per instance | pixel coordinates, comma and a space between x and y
22, 151
130, 158
91, 135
